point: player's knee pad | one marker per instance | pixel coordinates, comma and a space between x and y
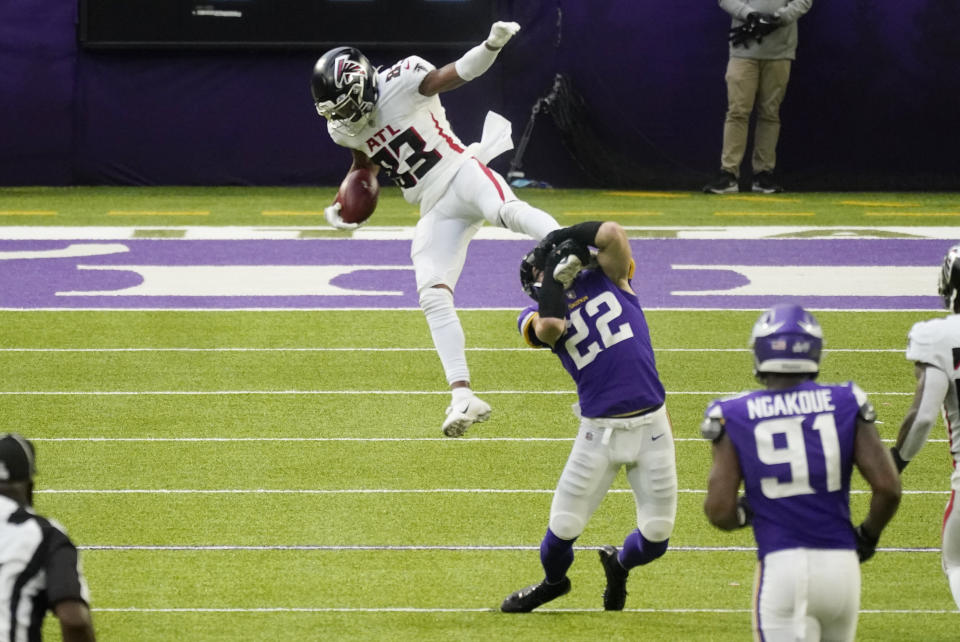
566, 525
437, 302
655, 533
520, 216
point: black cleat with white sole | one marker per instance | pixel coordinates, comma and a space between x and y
615, 594
529, 598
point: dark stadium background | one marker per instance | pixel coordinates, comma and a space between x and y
872, 103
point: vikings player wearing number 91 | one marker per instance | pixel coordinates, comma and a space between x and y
391, 118
592, 320
793, 445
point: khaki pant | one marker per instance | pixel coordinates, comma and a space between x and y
749, 82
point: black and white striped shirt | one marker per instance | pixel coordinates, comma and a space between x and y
39, 567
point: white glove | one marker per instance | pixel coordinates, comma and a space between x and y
332, 213
567, 270
500, 33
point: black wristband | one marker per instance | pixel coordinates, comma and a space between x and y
897, 459
584, 233
551, 297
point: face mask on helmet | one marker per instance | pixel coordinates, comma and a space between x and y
949, 285
786, 339
344, 88
530, 268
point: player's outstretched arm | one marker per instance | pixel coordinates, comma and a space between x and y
932, 387
472, 64
876, 465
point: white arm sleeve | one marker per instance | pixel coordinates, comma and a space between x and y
476, 61
935, 387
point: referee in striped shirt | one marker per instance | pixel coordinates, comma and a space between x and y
39, 566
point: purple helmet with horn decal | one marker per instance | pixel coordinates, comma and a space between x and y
786, 339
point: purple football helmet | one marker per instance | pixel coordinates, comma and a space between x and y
786, 339
949, 284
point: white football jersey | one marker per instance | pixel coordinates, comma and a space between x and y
937, 342
408, 135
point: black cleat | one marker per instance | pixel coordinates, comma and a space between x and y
529, 598
615, 595
763, 183
724, 183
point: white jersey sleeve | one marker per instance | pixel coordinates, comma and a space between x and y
936, 342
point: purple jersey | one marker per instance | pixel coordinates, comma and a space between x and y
795, 448
606, 348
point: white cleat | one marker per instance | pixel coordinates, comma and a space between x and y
463, 414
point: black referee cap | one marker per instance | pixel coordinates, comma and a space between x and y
16, 458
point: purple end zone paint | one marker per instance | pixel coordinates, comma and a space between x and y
315, 273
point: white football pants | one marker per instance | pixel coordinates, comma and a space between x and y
950, 544
476, 194
644, 446
807, 594
439, 250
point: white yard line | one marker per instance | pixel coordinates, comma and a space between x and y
349, 439
368, 491
415, 610
95, 393
351, 349
419, 547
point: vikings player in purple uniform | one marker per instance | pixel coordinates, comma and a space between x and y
592, 320
793, 445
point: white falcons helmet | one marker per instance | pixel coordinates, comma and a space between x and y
344, 88
786, 339
950, 279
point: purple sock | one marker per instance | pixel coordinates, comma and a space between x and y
556, 556
638, 550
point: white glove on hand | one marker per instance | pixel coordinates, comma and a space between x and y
500, 33
332, 214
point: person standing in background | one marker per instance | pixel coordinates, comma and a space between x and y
763, 45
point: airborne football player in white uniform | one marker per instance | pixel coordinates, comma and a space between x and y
934, 348
392, 119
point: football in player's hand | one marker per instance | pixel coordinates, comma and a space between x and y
358, 195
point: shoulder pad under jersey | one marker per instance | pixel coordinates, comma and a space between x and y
867, 412
712, 427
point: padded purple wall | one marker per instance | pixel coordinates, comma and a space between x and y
872, 103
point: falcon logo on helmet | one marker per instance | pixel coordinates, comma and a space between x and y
786, 339
344, 88
347, 72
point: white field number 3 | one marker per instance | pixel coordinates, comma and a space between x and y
607, 337
795, 454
